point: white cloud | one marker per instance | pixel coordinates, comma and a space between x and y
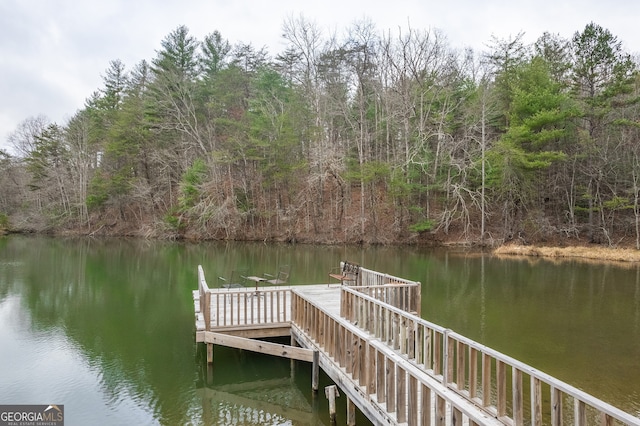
53, 53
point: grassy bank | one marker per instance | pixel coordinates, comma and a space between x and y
572, 252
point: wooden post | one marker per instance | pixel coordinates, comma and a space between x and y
418, 300
209, 374
426, 405
331, 392
401, 394
461, 362
380, 377
536, 402
370, 362
391, 385
556, 407
580, 413
292, 362
606, 420
351, 413
501, 388
413, 404
209, 353
517, 395
447, 366
473, 373
441, 411
437, 354
315, 371
205, 310
486, 380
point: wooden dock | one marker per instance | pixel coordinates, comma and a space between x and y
394, 366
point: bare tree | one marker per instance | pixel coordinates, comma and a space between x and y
80, 159
24, 139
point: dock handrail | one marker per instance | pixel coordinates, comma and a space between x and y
483, 376
399, 292
205, 298
369, 277
247, 307
402, 296
242, 306
401, 391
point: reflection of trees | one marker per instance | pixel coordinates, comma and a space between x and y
7, 270
127, 306
127, 313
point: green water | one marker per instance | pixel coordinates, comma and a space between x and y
105, 327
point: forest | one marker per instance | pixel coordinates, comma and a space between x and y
367, 137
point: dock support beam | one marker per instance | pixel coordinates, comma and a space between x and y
351, 412
209, 353
315, 371
331, 393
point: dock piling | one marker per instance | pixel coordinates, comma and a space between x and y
331, 392
315, 371
209, 353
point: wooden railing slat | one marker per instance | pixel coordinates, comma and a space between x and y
518, 397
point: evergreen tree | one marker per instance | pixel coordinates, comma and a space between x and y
602, 77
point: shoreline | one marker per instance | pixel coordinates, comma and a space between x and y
590, 253
559, 253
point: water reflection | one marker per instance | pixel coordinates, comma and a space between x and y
574, 320
106, 326
257, 390
117, 313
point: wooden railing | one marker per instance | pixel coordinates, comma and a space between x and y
399, 292
504, 387
205, 299
406, 297
369, 278
400, 389
242, 307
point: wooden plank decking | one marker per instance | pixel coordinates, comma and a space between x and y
393, 365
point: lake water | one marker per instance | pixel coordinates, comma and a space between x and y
106, 327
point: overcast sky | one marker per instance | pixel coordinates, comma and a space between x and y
53, 53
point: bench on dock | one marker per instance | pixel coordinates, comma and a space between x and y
348, 272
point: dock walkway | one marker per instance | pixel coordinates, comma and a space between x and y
396, 367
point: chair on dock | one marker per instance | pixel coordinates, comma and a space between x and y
238, 279
348, 273
281, 277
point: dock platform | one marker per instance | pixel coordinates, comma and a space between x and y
394, 366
